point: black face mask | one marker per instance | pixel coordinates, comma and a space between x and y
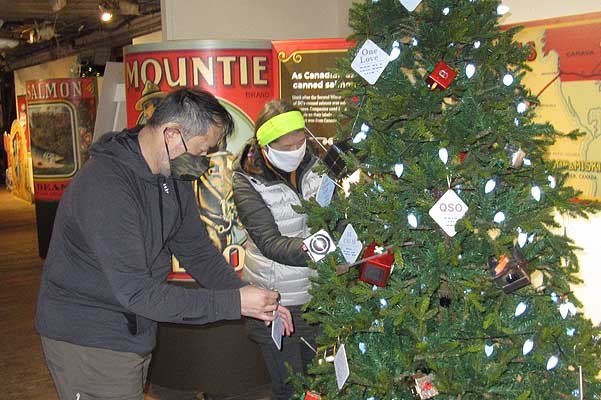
187, 166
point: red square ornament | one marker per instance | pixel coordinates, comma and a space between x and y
312, 396
441, 76
376, 270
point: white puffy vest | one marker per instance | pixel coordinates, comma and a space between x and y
292, 282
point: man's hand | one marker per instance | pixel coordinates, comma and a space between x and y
259, 303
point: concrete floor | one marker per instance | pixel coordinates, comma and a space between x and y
23, 372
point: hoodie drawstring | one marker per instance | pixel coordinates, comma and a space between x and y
160, 186
179, 202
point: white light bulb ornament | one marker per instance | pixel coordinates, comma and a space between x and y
491, 184
522, 237
362, 135
398, 169
489, 349
507, 79
502, 9
528, 346
395, 52
470, 70
362, 347
520, 309
566, 308
536, 193
412, 220
521, 107
477, 44
443, 154
552, 362
499, 217
446, 10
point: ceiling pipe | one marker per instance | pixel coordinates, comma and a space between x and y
116, 38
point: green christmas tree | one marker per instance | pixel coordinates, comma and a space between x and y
442, 321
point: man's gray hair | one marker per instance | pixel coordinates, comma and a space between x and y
194, 110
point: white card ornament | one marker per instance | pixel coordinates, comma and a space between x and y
370, 62
325, 191
276, 331
349, 244
319, 245
447, 211
341, 367
571, 308
410, 5
488, 350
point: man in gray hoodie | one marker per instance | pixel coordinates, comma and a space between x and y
104, 281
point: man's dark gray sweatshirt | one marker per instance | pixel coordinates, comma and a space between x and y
104, 280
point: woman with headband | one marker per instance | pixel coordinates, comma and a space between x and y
272, 174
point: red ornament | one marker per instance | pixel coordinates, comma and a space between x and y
462, 156
510, 273
312, 396
441, 76
376, 270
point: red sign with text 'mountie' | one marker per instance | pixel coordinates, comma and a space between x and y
240, 74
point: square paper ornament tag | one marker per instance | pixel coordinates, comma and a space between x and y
319, 245
370, 62
341, 367
410, 5
325, 191
276, 331
447, 211
349, 244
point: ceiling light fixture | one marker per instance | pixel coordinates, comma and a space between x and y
106, 16
107, 11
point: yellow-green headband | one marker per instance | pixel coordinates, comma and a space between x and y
278, 126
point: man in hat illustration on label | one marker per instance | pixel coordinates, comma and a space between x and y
151, 96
